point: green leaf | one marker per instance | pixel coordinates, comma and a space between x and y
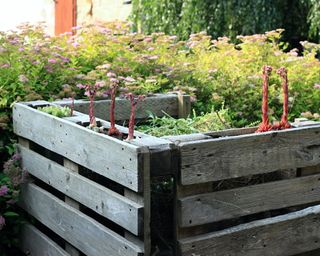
11, 214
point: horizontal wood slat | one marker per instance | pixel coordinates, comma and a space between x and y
34, 242
102, 200
216, 206
284, 235
231, 157
158, 104
83, 232
110, 157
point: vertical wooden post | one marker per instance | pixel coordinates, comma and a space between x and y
184, 105
74, 168
145, 200
299, 122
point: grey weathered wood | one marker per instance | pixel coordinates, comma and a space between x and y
184, 105
157, 104
24, 142
145, 199
216, 206
110, 157
177, 139
33, 242
74, 168
309, 170
83, 232
236, 156
288, 234
231, 132
300, 122
145, 163
109, 204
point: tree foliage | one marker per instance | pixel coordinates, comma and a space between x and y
300, 18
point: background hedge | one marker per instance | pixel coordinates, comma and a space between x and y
299, 18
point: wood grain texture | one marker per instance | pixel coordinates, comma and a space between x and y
73, 167
110, 157
184, 105
222, 205
237, 156
102, 200
33, 242
284, 235
157, 104
83, 232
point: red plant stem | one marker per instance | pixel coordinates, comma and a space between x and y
265, 125
284, 124
113, 105
91, 110
131, 122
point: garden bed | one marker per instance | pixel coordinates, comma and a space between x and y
233, 192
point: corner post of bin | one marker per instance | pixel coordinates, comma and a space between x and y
184, 105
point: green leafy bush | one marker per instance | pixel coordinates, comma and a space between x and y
56, 111
167, 125
10, 180
34, 66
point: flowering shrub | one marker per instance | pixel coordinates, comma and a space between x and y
34, 65
10, 180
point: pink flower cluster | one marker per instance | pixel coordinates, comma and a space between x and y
3, 190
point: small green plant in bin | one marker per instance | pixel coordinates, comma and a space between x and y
167, 125
56, 111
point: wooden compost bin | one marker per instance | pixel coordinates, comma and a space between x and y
244, 193
90, 193
236, 192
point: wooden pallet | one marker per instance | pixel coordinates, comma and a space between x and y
104, 213
236, 192
243, 193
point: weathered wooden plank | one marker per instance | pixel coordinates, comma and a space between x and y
110, 157
157, 104
231, 157
216, 206
33, 242
310, 170
73, 167
231, 132
144, 199
109, 204
147, 202
177, 139
288, 234
184, 105
83, 232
